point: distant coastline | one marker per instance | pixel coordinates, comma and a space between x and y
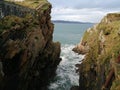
72, 22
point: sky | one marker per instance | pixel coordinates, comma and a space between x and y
83, 10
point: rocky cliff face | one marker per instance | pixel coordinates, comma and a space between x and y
100, 70
28, 56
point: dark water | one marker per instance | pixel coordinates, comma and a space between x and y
68, 35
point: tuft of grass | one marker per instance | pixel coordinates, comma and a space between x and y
9, 21
12, 22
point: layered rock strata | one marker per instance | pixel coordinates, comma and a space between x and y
28, 56
101, 66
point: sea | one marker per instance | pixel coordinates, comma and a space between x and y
68, 34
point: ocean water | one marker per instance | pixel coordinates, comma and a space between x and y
68, 35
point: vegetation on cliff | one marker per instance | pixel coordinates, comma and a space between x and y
28, 56
33, 4
14, 22
103, 41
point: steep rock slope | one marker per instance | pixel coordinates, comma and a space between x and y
28, 55
100, 70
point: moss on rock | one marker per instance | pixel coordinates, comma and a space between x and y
104, 47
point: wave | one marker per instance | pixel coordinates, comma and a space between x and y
66, 72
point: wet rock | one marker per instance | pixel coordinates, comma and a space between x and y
81, 48
75, 88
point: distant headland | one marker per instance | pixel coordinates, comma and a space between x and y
76, 22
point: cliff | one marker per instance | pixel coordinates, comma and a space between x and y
21, 8
100, 70
28, 56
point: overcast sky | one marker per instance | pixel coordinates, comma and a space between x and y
83, 10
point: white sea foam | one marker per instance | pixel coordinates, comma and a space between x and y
66, 73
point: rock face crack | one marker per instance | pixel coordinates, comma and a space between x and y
28, 56
101, 45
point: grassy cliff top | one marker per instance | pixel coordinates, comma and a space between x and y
104, 46
111, 17
29, 3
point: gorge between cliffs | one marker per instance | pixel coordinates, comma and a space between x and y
31, 58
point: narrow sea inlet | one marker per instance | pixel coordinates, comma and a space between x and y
69, 35
54, 45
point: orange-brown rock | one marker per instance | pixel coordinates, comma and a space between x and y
81, 48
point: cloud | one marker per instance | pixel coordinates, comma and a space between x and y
86, 3
106, 4
84, 15
83, 10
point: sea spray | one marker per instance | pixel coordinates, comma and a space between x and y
66, 72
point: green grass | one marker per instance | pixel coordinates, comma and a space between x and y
33, 4
111, 45
10, 22
112, 39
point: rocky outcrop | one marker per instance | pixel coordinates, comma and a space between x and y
28, 55
81, 48
100, 68
17, 10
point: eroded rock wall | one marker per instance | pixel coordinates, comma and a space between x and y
17, 10
100, 68
28, 55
